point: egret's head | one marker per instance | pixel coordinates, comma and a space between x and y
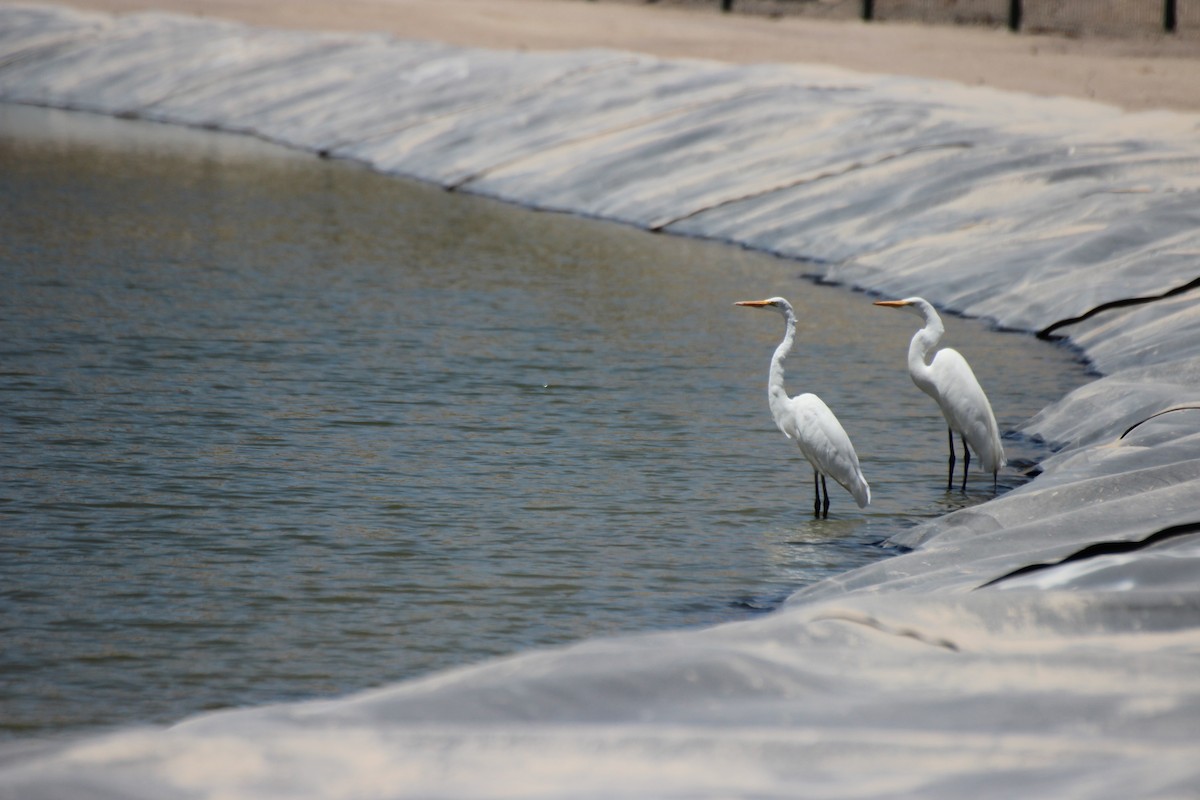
916, 305
777, 303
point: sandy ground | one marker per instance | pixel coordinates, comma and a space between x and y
1136, 74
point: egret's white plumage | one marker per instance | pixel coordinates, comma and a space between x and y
949, 380
806, 420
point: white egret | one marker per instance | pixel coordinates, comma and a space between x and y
948, 379
807, 420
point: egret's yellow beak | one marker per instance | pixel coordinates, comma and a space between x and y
753, 303
892, 303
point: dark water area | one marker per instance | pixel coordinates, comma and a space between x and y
274, 427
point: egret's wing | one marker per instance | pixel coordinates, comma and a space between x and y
826, 444
965, 405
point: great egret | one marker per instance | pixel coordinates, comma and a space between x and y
807, 420
948, 379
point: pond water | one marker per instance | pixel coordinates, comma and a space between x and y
275, 427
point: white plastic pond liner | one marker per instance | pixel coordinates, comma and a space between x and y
1043, 644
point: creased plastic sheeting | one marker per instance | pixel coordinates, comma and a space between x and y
1100, 412
121, 70
386, 97
1045, 525
1024, 210
583, 108
718, 152
911, 695
29, 29
1168, 567
290, 101
1164, 330
1043, 643
998, 223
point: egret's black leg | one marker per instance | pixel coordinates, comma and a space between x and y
950, 470
826, 490
995, 481
966, 463
817, 491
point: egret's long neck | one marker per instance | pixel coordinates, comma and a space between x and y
776, 394
923, 343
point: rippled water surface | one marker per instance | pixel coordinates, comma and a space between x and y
276, 428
